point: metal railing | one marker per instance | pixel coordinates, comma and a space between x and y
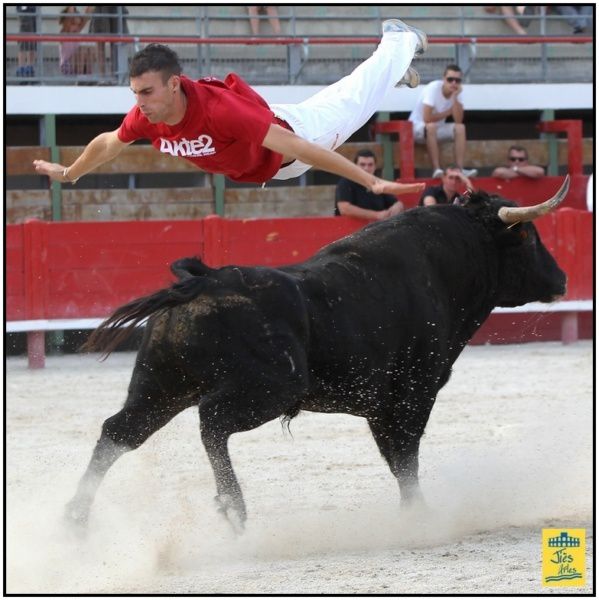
297, 58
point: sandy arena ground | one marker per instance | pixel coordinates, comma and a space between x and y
507, 451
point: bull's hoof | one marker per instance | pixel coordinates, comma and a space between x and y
415, 509
232, 511
76, 518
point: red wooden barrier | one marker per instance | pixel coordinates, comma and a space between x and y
84, 270
523, 191
405, 131
573, 130
36, 279
271, 242
574, 252
15, 273
94, 267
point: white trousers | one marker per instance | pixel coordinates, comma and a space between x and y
332, 115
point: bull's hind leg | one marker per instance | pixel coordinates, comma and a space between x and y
146, 410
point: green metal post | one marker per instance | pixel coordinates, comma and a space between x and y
553, 166
56, 338
219, 194
56, 188
385, 140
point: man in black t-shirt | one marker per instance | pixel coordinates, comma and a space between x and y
452, 180
354, 200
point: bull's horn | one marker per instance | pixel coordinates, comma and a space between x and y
512, 215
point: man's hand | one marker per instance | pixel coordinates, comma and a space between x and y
393, 187
457, 91
381, 215
396, 208
504, 173
466, 181
53, 170
100, 150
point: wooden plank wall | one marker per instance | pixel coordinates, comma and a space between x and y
191, 203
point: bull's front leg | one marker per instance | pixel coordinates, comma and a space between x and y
397, 433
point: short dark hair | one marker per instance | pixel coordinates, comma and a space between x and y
452, 67
155, 57
365, 153
518, 149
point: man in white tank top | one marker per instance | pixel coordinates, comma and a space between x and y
440, 99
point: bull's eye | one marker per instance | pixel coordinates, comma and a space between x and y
523, 234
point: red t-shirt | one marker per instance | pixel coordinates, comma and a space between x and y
222, 131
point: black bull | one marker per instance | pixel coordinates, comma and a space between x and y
370, 326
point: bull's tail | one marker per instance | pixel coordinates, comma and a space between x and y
119, 326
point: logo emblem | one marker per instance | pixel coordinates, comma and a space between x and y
202, 146
563, 553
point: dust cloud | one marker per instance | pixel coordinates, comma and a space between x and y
507, 451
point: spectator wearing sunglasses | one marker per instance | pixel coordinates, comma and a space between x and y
440, 99
517, 166
453, 183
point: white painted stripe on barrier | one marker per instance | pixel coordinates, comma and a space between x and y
51, 325
66, 324
119, 100
561, 306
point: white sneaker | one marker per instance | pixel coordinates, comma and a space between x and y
411, 79
470, 172
391, 25
437, 174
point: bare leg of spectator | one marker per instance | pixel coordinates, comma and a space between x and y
511, 21
459, 144
432, 145
254, 21
577, 16
101, 55
273, 19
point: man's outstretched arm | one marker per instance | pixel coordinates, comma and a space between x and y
293, 147
100, 150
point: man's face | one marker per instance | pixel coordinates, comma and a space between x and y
153, 96
451, 178
367, 163
517, 158
452, 80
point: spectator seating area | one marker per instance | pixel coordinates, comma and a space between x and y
321, 63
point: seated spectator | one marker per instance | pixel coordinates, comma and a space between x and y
27, 50
75, 59
354, 200
440, 99
273, 18
517, 157
580, 16
453, 179
108, 20
513, 16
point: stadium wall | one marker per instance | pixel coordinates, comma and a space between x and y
64, 100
